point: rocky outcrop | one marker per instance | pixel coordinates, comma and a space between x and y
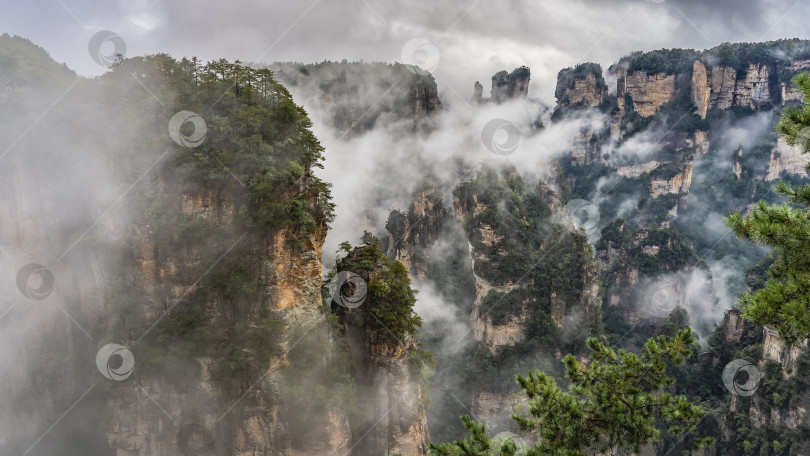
352, 96
583, 84
478, 94
788, 92
721, 88
701, 143
510, 86
417, 231
494, 408
786, 159
484, 248
775, 349
586, 147
736, 163
637, 170
756, 90
391, 398
733, 326
289, 286
492, 335
496, 335
677, 184
723, 83
701, 91
648, 92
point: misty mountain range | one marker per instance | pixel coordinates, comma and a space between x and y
207, 258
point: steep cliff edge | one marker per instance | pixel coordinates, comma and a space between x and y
230, 291
536, 281
510, 86
197, 255
354, 95
582, 84
388, 363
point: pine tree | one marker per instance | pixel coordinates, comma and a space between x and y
784, 301
616, 401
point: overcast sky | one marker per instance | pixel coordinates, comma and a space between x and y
473, 39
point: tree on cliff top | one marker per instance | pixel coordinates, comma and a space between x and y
616, 401
784, 301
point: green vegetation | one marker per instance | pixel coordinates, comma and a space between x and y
206, 208
388, 306
784, 301
527, 247
735, 55
348, 85
518, 217
667, 61
616, 401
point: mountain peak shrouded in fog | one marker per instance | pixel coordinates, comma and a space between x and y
224, 255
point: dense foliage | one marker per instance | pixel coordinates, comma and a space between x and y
614, 402
254, 171
388, 305
784, 301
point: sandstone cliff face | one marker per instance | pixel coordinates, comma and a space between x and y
786, 159
512, 329
391, 396
490, 334
774, 349
721, 89
586, 147
734, 326
648, 92
637, 170
289, 292
574, 87
510, 86
701, 91
680, 183
411, 235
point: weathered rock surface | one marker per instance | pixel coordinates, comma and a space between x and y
582, 84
